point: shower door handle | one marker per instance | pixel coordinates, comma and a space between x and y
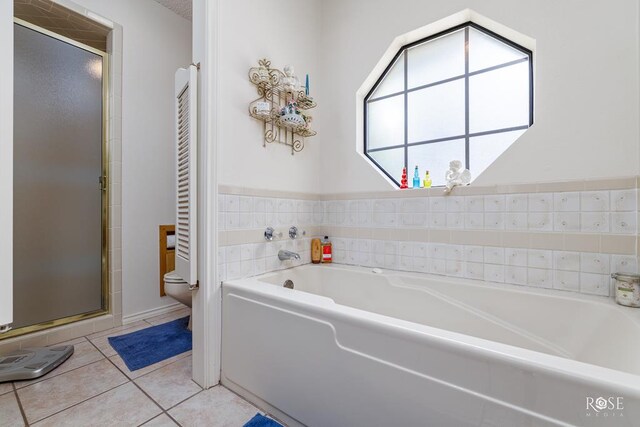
102, 179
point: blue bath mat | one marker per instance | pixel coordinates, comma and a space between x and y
262, 421
151, 345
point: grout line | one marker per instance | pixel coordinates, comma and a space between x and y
85, 400
24, 415
178, 404
106, 333
137, 386
42, 379
254, 405
144, 392
157, 416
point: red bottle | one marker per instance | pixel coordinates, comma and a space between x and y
327, 255
403, 180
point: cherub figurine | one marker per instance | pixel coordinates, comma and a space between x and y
290, 82
456, 175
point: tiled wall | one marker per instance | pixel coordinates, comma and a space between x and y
567, 236
610, 212
584, 272
242, 220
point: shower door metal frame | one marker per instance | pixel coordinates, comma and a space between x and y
101, 185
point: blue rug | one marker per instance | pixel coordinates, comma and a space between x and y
262, 421
151, 345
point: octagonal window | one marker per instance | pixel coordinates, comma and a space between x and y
463, 94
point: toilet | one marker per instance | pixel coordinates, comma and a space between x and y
177, 289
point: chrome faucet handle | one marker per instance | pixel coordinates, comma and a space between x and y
293, 232
270, 233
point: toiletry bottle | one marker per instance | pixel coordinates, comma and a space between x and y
416, 178
316, 251
427, 180
327, 256
403, 180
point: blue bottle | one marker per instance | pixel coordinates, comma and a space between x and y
416, 178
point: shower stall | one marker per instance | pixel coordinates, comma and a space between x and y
60, 180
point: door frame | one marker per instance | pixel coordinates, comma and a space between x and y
207, 300
105, 289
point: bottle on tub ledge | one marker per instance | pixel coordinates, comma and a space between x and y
316, 251
403, 180
416, 178
327, 253
427, 180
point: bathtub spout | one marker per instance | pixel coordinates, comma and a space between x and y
284, 255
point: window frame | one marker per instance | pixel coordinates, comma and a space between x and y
467, 74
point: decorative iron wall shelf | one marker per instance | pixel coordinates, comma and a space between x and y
282, 106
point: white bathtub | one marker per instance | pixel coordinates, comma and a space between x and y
348, 347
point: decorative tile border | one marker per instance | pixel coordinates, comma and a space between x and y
596, 212
584, 242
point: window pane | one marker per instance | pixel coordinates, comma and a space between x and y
484, 150
436, 60
499, 99
435, 158
392, 161
393, 82
485, 51
436, 112
385, 122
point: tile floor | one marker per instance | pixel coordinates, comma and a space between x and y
95, 388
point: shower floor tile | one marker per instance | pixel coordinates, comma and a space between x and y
94, 387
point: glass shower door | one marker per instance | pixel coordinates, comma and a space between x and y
59, 225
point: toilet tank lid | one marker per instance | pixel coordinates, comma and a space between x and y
173, 277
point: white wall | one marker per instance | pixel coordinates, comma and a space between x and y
155, 43
286, 32
586, 85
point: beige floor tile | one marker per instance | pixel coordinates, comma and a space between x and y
5, 388
47, 397
170, 384
120, 330
168, 317
83, 354
161, 420
102, 342
215, 407
10, 415
117, 360
122, 406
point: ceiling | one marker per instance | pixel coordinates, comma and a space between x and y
180, 7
